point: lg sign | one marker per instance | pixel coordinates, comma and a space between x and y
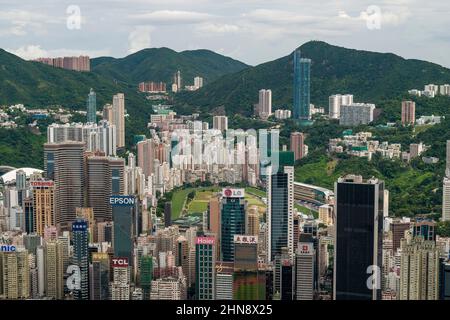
119, 262
122, 201
233, 193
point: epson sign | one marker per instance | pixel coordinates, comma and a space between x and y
124, 201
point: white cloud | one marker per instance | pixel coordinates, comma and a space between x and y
262, 29
280, 17
20, 22
139, 38
208, 28
386, 18
172, 17
29, 52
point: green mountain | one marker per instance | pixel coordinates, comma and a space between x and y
35, 84
159, 64
370, 76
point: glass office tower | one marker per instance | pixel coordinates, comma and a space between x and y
301, 87
359, 236
232, 220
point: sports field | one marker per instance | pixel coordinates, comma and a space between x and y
202, 196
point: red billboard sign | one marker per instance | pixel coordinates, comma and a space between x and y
42, 184
119, 262
205, 240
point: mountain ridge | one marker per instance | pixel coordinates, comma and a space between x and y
159, 64
370, 76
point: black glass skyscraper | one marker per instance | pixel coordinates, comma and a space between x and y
146, 276
232, 220
359, 235
81, 256
122, 212
91, 104
280, 195
301, 88
99, 277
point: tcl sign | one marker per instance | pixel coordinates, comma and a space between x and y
119, 262
233, 193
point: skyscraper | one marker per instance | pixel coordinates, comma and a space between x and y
31, 242
248, 282
280, 206
43, 205
146, 276
301, 87
359, 235
169, 288
64, 164
167, 214
214, 221
120, 287
15, 274
81, 256
177, 80
28, 211
198, 82
224, 280
118, 114
425, 229
298, 145
122, 213
265, 103
447, 159
304, 271
398, 229
419, 269
220, 123
356, 114
446, 199
232, 213
105, 232
88, 215
146, 154
104, 179
99, 277
97, 137
284, 275
408, 112
205, 266
444, 281
108, 113
252, 224
446, 187
91, 103
54, 272
21, 185
335, 103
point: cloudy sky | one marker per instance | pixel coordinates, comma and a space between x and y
253, 31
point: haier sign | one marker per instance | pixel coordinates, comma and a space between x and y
122, 201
